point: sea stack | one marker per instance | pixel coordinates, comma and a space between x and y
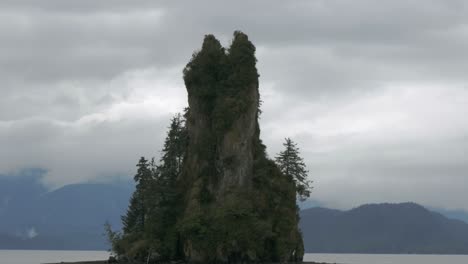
235, 206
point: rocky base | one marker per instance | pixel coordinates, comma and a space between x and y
106, 262
113, 260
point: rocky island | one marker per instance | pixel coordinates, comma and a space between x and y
215, 197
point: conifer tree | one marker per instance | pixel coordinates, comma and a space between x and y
170, 163
164, 209
292, 165
188, 207
150, 222
134, 220
174, 149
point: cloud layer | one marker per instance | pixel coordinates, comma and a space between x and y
375, 93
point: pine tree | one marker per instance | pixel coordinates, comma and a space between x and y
174, 212
174, 149
170, 167
292, 165
149, 224
172, 155
134, 220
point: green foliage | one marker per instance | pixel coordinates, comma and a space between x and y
134, 220
174, 149
292, 165
177, 205
258, 224
150, 222
165, 209
113, 238
230, 231
241, 64
253, 225
203, 73
223, 79
241, 80
276, 200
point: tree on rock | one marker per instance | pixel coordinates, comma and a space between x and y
165, 199
237, 205
149, 226
134, 220
133, 241
174, 149
292, 165
215, 196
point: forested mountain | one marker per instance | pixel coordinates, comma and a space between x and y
452, 214
71, 217
383, 228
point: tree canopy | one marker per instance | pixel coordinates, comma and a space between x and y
214, 195
292, 165
149, 224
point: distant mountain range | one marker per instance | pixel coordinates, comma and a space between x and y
452, 214
72, 217
383, 228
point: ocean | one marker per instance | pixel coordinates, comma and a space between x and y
48, 256
43, 256
387, 259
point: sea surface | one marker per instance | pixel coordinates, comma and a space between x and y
46, 256
387, 259
41, 256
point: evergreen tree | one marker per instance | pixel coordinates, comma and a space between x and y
174, 149
172, 158
174, 211
164, 209
149, 224
134, 220
292, 165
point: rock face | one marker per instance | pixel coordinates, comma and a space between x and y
237, 206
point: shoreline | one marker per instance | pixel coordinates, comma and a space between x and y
105, 262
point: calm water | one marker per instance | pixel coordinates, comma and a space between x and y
39, 256
387, 259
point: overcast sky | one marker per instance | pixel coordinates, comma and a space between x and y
374, 92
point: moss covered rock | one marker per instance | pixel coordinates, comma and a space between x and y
236, 206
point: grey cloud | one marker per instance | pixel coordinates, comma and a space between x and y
375, 93
71, 153
100, 40
53, 46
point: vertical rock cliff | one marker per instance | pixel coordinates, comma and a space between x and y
236, 206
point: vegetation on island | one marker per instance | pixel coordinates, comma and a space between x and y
292, 166
215, 196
